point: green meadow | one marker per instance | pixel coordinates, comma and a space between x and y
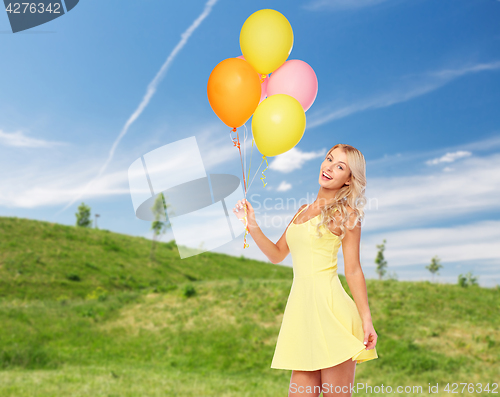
85, 312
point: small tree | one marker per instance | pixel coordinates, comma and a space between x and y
434, 266
380, 260
467, 280
392, 276
159, 227
83, 216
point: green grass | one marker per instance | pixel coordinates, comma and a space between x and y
40, 260
212, 335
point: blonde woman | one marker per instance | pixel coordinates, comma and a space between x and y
324, 333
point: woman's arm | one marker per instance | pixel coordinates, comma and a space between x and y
356, 279
352, 268
279, 251
275, 252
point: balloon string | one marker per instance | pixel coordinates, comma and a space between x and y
245, 244
241, 159
250, 166
245, 153
263, 176
256, 172
236, 142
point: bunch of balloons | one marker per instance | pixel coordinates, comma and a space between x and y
262, 83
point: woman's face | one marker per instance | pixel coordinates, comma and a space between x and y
336, 168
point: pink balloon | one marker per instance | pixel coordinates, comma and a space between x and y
263, 86
297, 79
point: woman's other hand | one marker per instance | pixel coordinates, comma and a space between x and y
370, 336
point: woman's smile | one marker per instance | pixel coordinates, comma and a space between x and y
326, 176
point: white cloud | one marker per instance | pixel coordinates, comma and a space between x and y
477, 241
51, 179
449, 157
284, 186
449, 74
425, 83
486, 144
294, 159
411, 201
37, 185
18, 139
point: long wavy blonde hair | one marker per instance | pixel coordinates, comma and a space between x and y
352, 194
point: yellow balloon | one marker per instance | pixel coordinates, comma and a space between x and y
266, 40
278, 124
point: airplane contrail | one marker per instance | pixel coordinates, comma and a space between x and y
149, 94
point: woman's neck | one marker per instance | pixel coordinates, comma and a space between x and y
322, 201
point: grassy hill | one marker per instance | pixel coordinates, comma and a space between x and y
203, 326
44, 260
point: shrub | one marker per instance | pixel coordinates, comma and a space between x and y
467, 280
189, 291
73, 277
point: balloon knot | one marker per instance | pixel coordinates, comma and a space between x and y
236, 141
262, 77
234, 129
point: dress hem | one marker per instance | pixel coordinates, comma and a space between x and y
351, 356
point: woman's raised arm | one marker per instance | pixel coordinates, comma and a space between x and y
274, 252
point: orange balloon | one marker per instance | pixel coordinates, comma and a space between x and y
234, 91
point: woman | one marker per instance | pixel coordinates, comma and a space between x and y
324, 333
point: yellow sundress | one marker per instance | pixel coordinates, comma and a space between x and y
321, 324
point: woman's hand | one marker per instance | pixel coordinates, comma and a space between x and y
239, 211
370, 336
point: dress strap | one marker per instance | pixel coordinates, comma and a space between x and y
298, 213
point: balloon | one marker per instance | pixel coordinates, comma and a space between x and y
297, 79
233, 91
266, 40
263, 85
278, 124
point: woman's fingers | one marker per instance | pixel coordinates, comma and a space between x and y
239, 205
372, 341
245, 201
237, 211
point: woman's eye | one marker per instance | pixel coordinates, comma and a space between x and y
341, 167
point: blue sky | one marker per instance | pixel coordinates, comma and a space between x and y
414, 85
